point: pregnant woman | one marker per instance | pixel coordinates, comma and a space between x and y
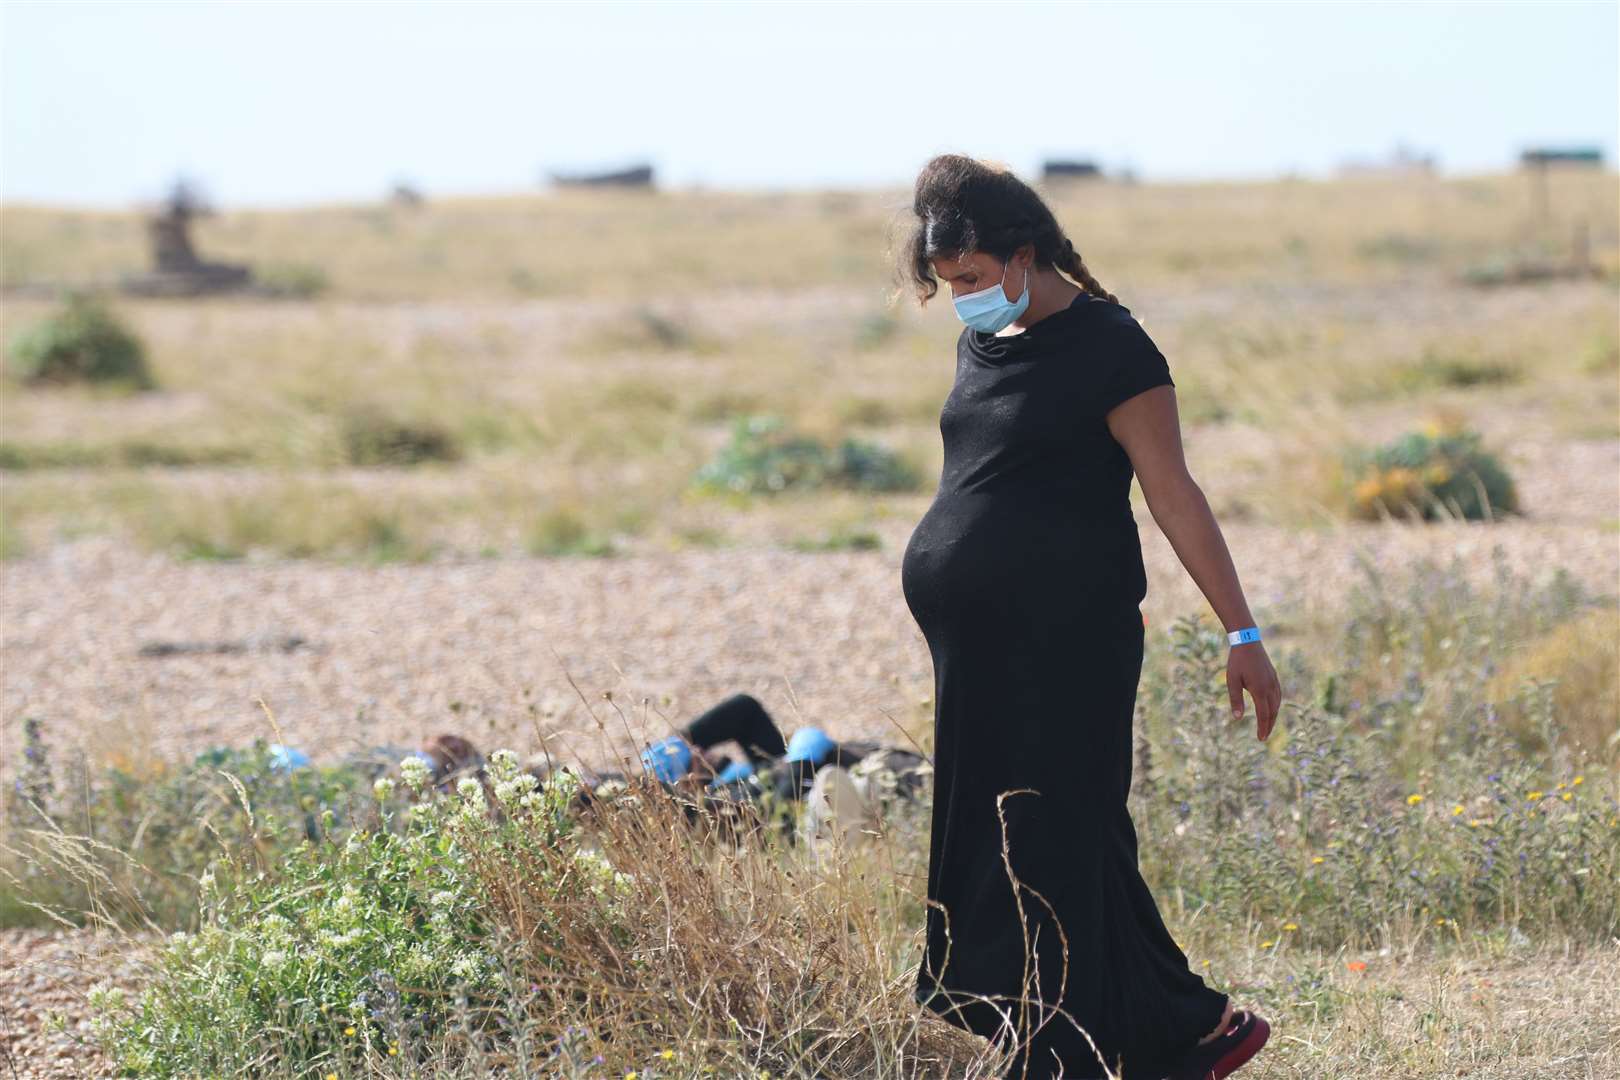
1025, 577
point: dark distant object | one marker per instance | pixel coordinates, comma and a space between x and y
1403, 161
1571, 155
640, 176
1056, 169
405, 194
284, 643
177, 271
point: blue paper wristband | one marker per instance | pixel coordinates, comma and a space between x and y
1248, 633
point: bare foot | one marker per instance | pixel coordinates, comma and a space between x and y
1226, 1019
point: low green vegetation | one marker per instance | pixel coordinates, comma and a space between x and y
371, 436
83, 341
1432, 474
764, 455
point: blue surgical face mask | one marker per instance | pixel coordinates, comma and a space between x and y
989, 310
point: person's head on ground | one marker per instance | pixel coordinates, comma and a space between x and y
984, 231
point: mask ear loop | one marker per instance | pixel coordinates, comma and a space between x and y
1004, 280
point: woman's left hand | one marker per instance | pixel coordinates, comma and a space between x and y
1249, 668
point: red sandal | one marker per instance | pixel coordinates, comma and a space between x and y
1225, 1053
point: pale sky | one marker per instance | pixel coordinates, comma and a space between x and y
103, 104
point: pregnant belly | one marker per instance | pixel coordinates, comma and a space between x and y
991, 557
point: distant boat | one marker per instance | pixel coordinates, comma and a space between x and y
1053, 169
637, 176
1572, 155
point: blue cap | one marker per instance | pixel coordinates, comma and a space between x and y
737, 770
810, 744
668, 759
286, 758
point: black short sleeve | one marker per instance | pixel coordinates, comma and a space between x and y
1134, 361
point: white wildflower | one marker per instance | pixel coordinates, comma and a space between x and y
415, 772
274, 959
383, 788
562, 785
510, 791
105, 996
503, 764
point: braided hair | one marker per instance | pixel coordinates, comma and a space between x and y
961, 205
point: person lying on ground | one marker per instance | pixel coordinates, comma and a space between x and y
783, 772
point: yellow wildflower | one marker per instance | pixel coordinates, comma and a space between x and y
1316, 858
1290, 926
666, 1054
631, 1075
1566, 796
1473, 823
1577, 780
1413, 800
1533, 796
348, 1031
1560, 785
1400, 478
1455, 810
1268, 943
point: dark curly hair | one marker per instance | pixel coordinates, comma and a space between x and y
963, 205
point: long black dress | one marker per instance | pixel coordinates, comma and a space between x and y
1025, 577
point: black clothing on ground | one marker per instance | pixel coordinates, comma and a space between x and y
740, 717
1025, 575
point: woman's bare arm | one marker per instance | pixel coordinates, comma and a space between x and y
1148, 426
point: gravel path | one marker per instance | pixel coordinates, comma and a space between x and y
47, 973
487, 648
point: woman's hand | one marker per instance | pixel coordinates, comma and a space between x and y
1249, 668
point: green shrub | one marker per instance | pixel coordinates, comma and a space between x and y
1435, 369
1433, 473
839, 540
355, 949
875, 329
763, 456
292, 280
372, 437
561, 531
82, 342
343, 949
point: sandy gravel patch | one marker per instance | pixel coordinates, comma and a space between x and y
488, 647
